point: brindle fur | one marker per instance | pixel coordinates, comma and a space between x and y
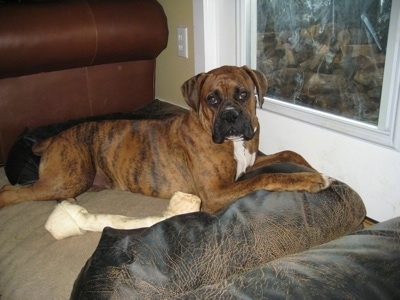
161, 156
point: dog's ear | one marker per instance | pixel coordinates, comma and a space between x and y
191, 89
260, 82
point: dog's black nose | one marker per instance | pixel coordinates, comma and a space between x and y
230, 115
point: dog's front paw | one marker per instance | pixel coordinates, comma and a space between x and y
320, 183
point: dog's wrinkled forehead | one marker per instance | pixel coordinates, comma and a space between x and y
226, 85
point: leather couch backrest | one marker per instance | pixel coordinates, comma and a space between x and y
49, 36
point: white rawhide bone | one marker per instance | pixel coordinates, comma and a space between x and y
69, 219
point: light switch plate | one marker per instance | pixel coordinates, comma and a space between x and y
182, 41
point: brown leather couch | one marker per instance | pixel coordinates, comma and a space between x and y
61, 60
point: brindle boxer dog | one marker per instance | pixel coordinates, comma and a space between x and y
202, 151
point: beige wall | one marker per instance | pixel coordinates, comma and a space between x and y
172, 70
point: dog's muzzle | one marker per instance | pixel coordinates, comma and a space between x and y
232, 124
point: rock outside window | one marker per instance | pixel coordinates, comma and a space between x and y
327, 55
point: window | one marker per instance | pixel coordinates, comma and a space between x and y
334, 63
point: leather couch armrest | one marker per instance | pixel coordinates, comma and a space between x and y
48, 36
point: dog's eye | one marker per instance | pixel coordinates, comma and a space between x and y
242, 95
212, 100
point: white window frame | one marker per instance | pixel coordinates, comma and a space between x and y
236, 45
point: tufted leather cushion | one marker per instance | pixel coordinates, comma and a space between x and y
187, 252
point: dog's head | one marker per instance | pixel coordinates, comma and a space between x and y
225, 102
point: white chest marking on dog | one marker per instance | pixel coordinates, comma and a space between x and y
243, 158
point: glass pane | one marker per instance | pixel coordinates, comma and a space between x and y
325, 54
